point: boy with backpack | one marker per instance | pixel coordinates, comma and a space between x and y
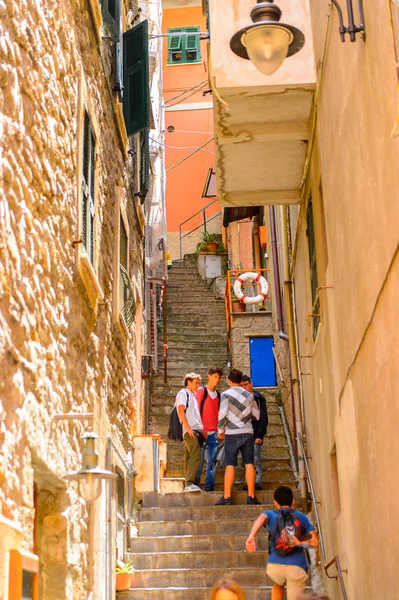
290, 532
208, 399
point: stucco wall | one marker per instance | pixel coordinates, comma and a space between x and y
348, 372
62, 347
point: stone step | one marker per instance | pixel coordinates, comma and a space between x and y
177, 360
162, 426
218, 328
271, 476
274, 419
201, 339
193, 593
198, 543
204, 560
275, 449
157, 578
207, 513
154, 500
162, 406
222, 526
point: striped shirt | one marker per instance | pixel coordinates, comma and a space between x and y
237, 407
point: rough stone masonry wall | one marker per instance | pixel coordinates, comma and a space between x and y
57, 354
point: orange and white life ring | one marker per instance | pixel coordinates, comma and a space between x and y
250, 277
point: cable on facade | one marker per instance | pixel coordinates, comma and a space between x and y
179, 147
186, 91
188, 156
186, 97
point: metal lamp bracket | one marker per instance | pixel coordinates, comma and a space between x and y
351, 29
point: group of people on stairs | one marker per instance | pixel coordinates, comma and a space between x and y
237, 417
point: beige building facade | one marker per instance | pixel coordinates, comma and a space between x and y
74, 175
338, 238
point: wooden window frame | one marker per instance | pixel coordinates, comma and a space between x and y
87, 267
184, 45
21, 561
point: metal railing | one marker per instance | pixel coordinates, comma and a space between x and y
203, 224
335, 560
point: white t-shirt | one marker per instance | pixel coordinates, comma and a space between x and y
192, 413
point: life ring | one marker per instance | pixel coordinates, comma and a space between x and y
251, 299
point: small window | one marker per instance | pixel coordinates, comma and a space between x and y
111, 10
314, 280
184, 49
88, 187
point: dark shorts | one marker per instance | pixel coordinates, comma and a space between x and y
243, 442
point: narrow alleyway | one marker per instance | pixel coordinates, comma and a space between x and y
185, 543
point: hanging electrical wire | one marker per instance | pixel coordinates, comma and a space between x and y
188, 156
186, 97
186, 91
179, 147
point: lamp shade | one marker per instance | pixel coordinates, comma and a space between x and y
89, 487
267, 46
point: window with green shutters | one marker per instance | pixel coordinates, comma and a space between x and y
136, 93
184, 49
314, 281
111, 11
88, 187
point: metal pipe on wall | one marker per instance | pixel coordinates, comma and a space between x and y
294, 366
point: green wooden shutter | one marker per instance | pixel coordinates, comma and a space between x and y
88, 187
175, 46
136, 96
144, 164
123, 257
192, 45
111, 11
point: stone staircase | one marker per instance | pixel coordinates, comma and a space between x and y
185, 543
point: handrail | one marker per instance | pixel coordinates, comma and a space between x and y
335, 560
203, 224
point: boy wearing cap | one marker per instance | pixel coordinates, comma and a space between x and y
190, 418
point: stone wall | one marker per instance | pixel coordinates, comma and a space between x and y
60, 350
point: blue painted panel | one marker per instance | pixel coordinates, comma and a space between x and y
263, 367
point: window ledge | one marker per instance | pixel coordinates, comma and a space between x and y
190, 62
90, 280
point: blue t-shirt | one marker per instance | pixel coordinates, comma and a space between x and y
296, 556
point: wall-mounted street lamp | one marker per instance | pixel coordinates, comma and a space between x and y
90, 475
267, 42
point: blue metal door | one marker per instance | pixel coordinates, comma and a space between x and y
263, 367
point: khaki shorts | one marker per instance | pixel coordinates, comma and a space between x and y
294, 577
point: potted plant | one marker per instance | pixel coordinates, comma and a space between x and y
211, 242
124, 574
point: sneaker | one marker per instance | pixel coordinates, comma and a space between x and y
224, 501
258, 487
252, 500
192, 488
209, 489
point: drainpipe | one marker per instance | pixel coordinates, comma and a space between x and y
276, 274
279, 307
294, 365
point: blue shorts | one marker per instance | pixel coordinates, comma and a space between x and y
243, 442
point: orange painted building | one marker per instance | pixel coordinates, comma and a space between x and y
188, 125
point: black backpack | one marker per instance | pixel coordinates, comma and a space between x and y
287, 525
205, 397
175, 431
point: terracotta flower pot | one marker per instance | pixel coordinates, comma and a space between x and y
238, 307
213, 246
123, 581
